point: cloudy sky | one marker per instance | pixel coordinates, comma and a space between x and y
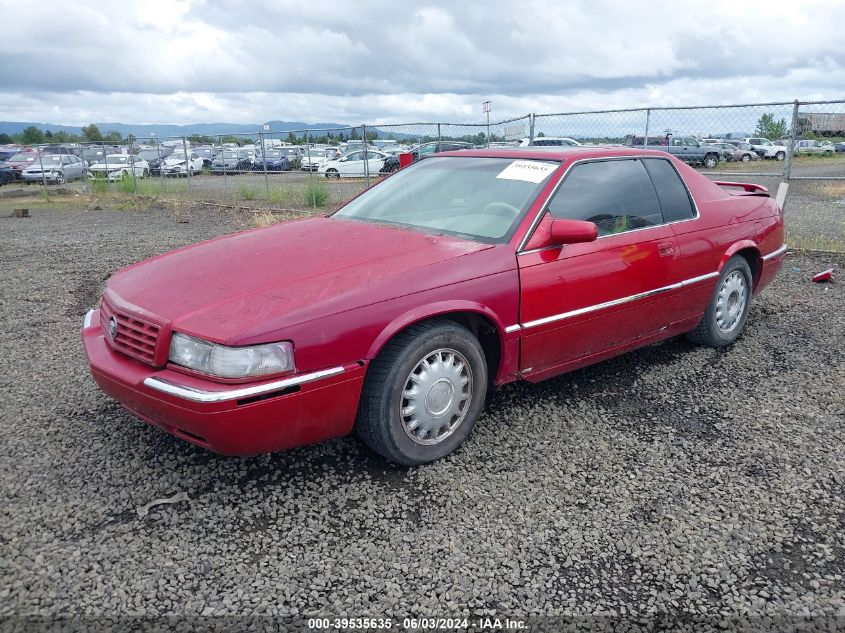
382, 61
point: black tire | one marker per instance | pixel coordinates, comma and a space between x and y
710, 161
780, 155
146, 174
746, 158
60, 178
380, 412
332, 173
708, 332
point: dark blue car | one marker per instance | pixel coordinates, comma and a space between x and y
276, 161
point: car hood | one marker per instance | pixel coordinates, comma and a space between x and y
228, 289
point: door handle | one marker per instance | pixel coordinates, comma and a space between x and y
666, 249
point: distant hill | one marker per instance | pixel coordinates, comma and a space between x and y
142, 131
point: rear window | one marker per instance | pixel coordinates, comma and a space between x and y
671, 191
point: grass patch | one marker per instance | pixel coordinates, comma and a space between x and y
126, 185
283, 197
99, 186
247, 192
265, 218
316, 195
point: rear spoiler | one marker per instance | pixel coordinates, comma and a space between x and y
750, 188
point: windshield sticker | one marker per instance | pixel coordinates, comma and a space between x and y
527, 170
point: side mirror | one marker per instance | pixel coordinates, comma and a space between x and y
573, 231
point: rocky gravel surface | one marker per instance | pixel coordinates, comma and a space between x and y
675, 481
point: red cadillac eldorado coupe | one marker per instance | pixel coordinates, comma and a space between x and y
394, 316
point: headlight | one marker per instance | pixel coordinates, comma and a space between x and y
231, 362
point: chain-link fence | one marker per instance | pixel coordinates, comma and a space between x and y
800, 143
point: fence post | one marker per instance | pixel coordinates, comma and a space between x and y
131, 159
41, 162
787, 163
264, 161
647, 121
366, 158
312, 195
223, 158
160, 166
106, 163
439, 139
531, 129
187, 163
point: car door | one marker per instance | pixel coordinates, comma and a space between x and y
581, 300
352, 165
375, 161
677, 148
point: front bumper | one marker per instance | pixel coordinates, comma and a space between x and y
47, 176
243, 419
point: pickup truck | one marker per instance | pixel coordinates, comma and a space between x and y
685, 148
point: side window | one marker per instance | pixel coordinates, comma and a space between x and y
671, 191
425, 150
677, 141
616, 194
355, 156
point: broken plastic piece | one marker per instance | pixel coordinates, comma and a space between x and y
825, 275
144, 510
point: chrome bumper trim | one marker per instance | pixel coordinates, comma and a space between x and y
86, 322
200, 395
513, 328
776, 253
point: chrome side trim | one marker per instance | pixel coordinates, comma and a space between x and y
86, 322
695, 280
513, 328
200, 395
776, 253
601, 306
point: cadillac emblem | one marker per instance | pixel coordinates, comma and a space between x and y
112, 327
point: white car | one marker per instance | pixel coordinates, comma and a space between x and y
118, 166
315, 157
175, 164
813, 148
765, 148
352, 165
549, 141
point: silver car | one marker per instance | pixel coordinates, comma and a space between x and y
54, 168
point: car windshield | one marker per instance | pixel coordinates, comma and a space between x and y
477, 198
51, 159
231, 155
177, 156
22, 158
148, 154
273, 153
116, 159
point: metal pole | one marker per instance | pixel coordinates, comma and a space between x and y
264, 160
787, 163
647, 121
488, 128
160, 170
106, 163
439, 139
366, 159
531, 129
312, 195
131, 159
40, 162
187, 163
223, 158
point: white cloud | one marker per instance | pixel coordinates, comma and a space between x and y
379, 60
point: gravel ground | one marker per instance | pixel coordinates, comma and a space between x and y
674, 480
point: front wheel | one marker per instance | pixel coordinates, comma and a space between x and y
60, 178
746, 158
423, 393
727, 312
710, 161
332, 173
780, 155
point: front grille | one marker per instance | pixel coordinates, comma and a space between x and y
134, 337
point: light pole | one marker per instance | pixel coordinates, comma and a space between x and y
485, 107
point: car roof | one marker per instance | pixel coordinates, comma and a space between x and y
556, 153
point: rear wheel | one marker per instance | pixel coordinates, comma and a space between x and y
727, 312
60, 178
780, 155
746, 158
423, 393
